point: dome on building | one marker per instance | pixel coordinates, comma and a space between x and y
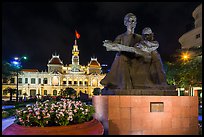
55, 60
94, 63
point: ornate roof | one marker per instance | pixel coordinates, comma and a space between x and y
94, 63
55, 60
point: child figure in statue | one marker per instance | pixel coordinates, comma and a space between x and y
148, 44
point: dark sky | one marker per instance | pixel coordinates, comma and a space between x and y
40, 29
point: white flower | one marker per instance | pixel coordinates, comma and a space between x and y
61, 113
70, 113
37, 113
30, 110
81, 108
39, 117
75, 110
28, 105
24, 111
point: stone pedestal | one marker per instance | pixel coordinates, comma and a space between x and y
135, 115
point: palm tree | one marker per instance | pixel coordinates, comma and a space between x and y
11, 91
7, 70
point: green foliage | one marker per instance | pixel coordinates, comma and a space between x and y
184, 74
5, 114
10, 90
7, 70
8, 112
96, 91
68, 92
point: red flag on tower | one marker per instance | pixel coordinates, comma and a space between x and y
77, 34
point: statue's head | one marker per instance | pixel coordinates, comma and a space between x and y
147, 34
130, 20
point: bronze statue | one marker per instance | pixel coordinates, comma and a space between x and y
149, 44
133, 66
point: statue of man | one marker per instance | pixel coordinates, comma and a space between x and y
131, 65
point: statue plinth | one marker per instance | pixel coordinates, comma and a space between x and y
144, 90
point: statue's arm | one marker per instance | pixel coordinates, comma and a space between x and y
151, 45
110, 46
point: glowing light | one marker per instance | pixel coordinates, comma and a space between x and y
186, 91
104, 65
185, 56
16, 58
25, 57
15, 62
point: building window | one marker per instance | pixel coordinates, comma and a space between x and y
19, 80
54, 92
32, 80
64, 82
12, 80
5, 80
26, 80
32, 92
80, 82
156, 107
197, 36
39, 80
75, 82
86, 83
45, 92
45, 81
70, 82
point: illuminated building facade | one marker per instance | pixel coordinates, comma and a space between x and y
58, 77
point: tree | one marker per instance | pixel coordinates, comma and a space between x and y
96, 91
68, 92
8, 70
186, 73
11, 91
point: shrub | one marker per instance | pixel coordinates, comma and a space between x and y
5, 114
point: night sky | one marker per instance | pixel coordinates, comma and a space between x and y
38, 30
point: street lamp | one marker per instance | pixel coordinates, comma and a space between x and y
17, 64
185, 56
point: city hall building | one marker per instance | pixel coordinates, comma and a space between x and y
58, 77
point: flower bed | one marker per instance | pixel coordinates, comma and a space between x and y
65, 117
61, 113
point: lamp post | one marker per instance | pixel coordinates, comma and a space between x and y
17, 64
185, 56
